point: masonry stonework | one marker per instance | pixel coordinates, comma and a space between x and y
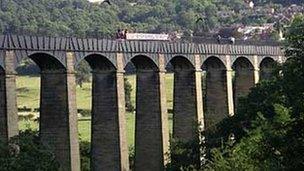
72, 113
216, 107
109, 146
266, 68
3, 115
151, 137
58, 115
184, 119
8, 98
244, 79
187, 117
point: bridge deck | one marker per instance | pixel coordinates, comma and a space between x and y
195, 45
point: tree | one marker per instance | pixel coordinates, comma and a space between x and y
85, 155
267, 132
269, 123
26, 152
81, 18
128, 90
83, 73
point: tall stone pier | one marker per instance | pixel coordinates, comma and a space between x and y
58, 114
216, 105
244, 78
187, 88
8, 98
151, 137
109, 145
230, 71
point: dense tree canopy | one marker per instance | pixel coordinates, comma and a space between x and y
267, 131
269, 124
81, 18
26, 152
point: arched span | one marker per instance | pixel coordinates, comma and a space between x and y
150, 132
213, 62
268, 59
215, 91
243, 79
184, 114
242, 63
181, 63
128, 58
242, 59
142, 62
47, 62
99, 62
267, 66
219, 59
130, 68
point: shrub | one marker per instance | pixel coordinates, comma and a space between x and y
85, 112
131, 157
37, 110
128, 90
85, 153
24, 109
26, 152
184, 155
27, 117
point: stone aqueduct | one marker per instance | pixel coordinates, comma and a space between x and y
58, 57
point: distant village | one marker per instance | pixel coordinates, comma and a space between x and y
278, 17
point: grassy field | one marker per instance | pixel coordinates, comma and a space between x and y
84, 127
28, 93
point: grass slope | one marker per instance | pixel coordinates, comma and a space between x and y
28, 95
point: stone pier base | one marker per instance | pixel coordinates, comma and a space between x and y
109, 146
58, 117
151, 122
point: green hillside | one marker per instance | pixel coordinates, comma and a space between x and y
81, 18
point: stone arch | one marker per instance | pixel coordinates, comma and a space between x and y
130, 68
220, 60
129, 58
261, 59
249, 60
213, 62
99, 62
108, 122
243, 78
47, 62
184, 99
214, 91
181, 63
142, 62
242, 62
266, 68
110, 59
58, 115
179, 59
